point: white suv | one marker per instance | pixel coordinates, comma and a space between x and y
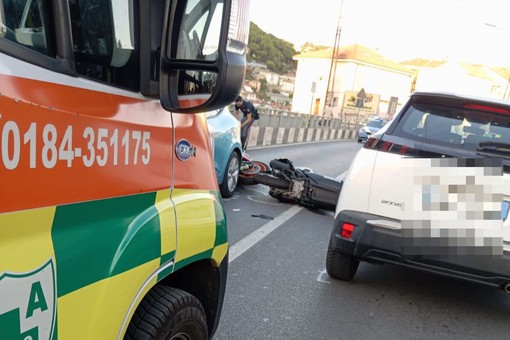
431, 191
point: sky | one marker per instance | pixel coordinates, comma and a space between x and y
476, 31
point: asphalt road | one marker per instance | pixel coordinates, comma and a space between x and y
278, 289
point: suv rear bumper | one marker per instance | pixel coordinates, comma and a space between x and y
372, 242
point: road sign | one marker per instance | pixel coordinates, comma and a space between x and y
360, 98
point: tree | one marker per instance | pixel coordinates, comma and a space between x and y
265, 48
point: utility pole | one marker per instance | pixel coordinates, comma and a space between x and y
332, 68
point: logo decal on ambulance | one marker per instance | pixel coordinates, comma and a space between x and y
28, 304
184, 150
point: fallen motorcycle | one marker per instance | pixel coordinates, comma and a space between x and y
249, 168
291, 184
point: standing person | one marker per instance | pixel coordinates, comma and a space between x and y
250, 114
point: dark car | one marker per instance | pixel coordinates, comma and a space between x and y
369, 129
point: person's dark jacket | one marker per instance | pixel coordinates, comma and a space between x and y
247, 108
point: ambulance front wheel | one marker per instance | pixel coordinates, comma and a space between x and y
168, 313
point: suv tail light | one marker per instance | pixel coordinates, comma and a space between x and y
347, 229
381, 145
370, 143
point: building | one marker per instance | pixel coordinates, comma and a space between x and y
254, 84
287, 83
272, 78
459, 77
248, 93
504, 72
278, 88
447, 75
353, 68
279, 101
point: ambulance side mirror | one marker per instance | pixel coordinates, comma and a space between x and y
203, 56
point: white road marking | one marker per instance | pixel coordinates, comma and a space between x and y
321, 276
252, 239
249, 241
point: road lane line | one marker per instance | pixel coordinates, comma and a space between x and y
320, 277
256, 236
249, 241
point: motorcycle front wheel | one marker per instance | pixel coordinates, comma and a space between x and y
246, 177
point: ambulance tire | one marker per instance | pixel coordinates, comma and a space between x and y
168, 313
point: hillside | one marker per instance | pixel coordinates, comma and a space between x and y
267, 49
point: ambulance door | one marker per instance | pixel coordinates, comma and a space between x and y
86, 220
200, 218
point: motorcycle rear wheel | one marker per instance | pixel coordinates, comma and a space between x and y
246, 177
271, 181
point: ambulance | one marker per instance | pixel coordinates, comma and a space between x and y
111, 221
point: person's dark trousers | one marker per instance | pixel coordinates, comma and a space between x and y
245, 134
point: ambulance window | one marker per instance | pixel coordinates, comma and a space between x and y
199, 39
200, 30
26, 22
105, 43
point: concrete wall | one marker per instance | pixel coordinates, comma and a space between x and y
276, 127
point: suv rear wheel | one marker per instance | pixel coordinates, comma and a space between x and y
339, 265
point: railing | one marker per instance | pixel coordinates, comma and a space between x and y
287, 119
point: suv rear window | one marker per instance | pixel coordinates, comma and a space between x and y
456, 127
